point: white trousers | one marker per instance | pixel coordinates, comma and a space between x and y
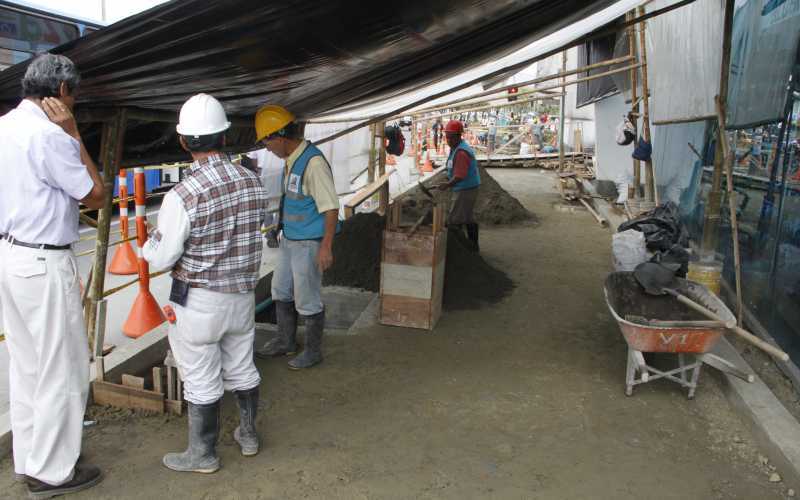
212, 341
49, 359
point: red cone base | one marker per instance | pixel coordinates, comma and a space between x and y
124, 260
144, 316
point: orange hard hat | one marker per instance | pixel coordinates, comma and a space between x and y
454, 127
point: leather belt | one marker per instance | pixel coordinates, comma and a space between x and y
40, 246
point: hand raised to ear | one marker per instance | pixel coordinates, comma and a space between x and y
60, 114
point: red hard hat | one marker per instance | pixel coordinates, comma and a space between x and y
454, 127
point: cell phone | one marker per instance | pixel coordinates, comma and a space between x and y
179, 292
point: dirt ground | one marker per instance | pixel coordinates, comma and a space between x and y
520, 400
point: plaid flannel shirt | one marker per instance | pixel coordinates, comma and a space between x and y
226, 204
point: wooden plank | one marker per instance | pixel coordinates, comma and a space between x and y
415, 250
106, 393
438, 278
100, 336
369, 190
405, 311
174, 407
132, 381
440, 249
158, 381
406, 281
100, 368
171, 382
437, 294
395, 214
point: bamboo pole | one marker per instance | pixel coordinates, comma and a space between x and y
488, 106
560, 75
634, 76
561, 114
714, 204
501, 71
650, 193
383, 194
729, 155
371, 165
110, 158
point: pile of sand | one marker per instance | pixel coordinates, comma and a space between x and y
494, 206
469, 280
357, 253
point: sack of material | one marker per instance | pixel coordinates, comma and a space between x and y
643, 150
629, 250
625, 132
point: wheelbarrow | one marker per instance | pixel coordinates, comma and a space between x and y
661, 324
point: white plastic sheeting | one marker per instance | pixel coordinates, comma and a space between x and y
614, 162
674, 160
764, 47
684, 49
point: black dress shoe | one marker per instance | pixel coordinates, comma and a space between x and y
85, 477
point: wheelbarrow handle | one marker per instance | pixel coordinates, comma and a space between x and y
730, 325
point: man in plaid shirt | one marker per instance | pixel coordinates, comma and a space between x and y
209, 232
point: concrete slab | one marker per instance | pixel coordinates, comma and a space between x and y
777, 431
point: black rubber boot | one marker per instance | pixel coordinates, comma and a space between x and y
312, 353
472, 234
201, 454
85, 476
246, 434
285, 342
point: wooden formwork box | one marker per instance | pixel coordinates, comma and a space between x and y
412, 272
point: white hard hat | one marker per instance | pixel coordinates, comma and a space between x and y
202, 115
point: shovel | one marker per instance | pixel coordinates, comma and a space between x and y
658, 279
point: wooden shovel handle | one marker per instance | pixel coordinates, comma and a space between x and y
730, 325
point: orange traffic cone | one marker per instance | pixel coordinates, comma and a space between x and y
144, 316
428, 167
390, 160
124, 260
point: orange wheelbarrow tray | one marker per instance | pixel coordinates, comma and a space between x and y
638, 315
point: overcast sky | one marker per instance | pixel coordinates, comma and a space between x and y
115, 9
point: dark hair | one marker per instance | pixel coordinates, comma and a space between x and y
204, 143
294, 130
45, 75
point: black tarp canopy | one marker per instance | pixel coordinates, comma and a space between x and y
311, 57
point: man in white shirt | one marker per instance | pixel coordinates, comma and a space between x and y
46, 171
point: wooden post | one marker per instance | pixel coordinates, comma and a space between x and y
372, 157
414, 145
383, 194
100, 335
381, 138
637, 170
561, 113
729, 156
714, 204
650, 192
110, 157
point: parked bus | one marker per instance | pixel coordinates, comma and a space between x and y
26, 30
